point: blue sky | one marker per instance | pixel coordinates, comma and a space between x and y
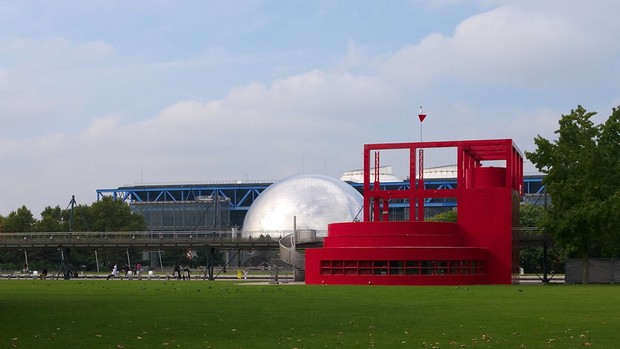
102, 94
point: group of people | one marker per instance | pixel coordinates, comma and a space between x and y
115, 273
177, 272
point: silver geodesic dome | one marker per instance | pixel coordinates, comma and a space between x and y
315, 201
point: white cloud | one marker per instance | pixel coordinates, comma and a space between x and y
508, 46
100, 130
304, 107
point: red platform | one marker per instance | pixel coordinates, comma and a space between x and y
477, 249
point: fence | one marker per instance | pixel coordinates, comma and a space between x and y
600, 270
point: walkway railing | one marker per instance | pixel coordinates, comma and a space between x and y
137, 239
289, 243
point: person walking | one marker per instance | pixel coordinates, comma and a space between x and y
114, 272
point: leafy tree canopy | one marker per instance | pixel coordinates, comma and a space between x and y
530, 215
53, 219
581, 168
448, 216
114, 215
20, 220
104, 215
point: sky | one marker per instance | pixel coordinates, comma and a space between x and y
103, 94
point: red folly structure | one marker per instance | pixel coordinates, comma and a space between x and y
477, 249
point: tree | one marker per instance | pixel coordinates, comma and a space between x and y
582, 180
19, 221
530, 215
610, 146
109, 214
447, 216
52, 220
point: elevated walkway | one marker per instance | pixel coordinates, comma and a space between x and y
134, 239
288, 245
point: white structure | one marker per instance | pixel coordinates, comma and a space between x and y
357, 176
386, 176
440, 172
314, 201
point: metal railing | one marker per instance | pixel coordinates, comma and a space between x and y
134, 239
289, 243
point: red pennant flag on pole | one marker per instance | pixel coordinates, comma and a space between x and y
421, 115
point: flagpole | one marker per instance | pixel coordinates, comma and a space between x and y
420, 201
421, 116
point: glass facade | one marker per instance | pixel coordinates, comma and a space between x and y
204, 213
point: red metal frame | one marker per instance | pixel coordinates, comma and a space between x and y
477, 249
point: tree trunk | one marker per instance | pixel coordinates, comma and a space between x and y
585, 271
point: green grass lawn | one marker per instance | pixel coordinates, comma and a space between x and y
207, 314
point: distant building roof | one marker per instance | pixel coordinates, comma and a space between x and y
448, 171
357, 176
386, 176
